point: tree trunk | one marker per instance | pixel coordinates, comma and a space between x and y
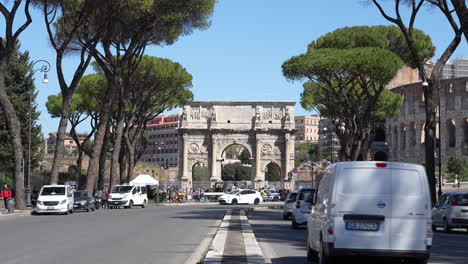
429, 137
131, 157
14, 128
114, 176
462, 13
61, 133
104, 117
102, 162
123, 165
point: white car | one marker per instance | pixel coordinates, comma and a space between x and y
241, 197
55, 199
128, 196
371, 209
302, 207
289, 204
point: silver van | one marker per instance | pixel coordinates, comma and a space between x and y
451, 211
371, 208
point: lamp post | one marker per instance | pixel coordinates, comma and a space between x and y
44, 68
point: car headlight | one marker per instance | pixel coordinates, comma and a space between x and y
39, 202
83, 202
63, 201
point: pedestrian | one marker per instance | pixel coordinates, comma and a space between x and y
6, 193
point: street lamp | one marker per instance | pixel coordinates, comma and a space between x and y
44, 68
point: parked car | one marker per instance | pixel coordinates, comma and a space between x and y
301, 209
83, 201
55, 199
289, 204
451, 211
241, 197
371, 209
127, 196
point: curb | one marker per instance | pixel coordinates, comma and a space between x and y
199, 253
253, 252
216, 250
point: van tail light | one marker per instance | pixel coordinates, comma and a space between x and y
330, 230
381, 165
298, 205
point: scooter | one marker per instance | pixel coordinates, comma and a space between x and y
97, 203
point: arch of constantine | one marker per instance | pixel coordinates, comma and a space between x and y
265, 128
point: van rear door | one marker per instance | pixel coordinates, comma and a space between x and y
410, 208
362, 206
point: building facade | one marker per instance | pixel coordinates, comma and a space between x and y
405, 134
162, 148
307, 128
457, 69
69, 143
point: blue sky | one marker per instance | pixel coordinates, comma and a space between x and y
240, 56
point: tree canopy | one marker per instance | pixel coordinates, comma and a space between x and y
346, 72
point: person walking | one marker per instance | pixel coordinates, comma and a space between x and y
6, 193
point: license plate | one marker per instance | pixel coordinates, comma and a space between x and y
50, 208
76, 206
363, 226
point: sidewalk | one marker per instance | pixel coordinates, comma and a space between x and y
3, 213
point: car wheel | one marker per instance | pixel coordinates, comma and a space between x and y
33, 212
92, 208
257, 201
294, 224
285, 216
323, 258
234, 202
143, 205
88, 209
446, 226
312, 255
275, 199
130, 204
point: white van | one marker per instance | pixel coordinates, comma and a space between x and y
55, 199
128, 196
371, 209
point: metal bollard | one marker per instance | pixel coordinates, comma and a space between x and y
11, 203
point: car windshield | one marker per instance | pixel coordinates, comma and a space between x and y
122, 189
53, 191
233, 192
461, 199
305, 194
293, 197
80, 194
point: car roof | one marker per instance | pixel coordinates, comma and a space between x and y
294, 191
394, 164
453, 193
55, 185
307, 188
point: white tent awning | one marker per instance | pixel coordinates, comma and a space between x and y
144, 180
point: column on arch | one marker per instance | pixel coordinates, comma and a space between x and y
259, 176
186, 176
215, 175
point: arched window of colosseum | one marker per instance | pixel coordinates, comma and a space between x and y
423, 133
451, 139
451, 88
412, 134
403, 137
422, 97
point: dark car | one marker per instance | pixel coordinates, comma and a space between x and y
83, 201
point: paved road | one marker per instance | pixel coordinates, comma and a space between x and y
151, 235
283, 245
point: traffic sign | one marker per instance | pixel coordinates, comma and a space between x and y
294, 170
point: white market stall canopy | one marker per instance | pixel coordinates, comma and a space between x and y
144, 180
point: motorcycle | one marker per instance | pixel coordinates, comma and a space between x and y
97, 203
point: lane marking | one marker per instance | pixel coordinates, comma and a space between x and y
216, 250
253, 252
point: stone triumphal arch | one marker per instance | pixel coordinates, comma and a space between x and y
265, 128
